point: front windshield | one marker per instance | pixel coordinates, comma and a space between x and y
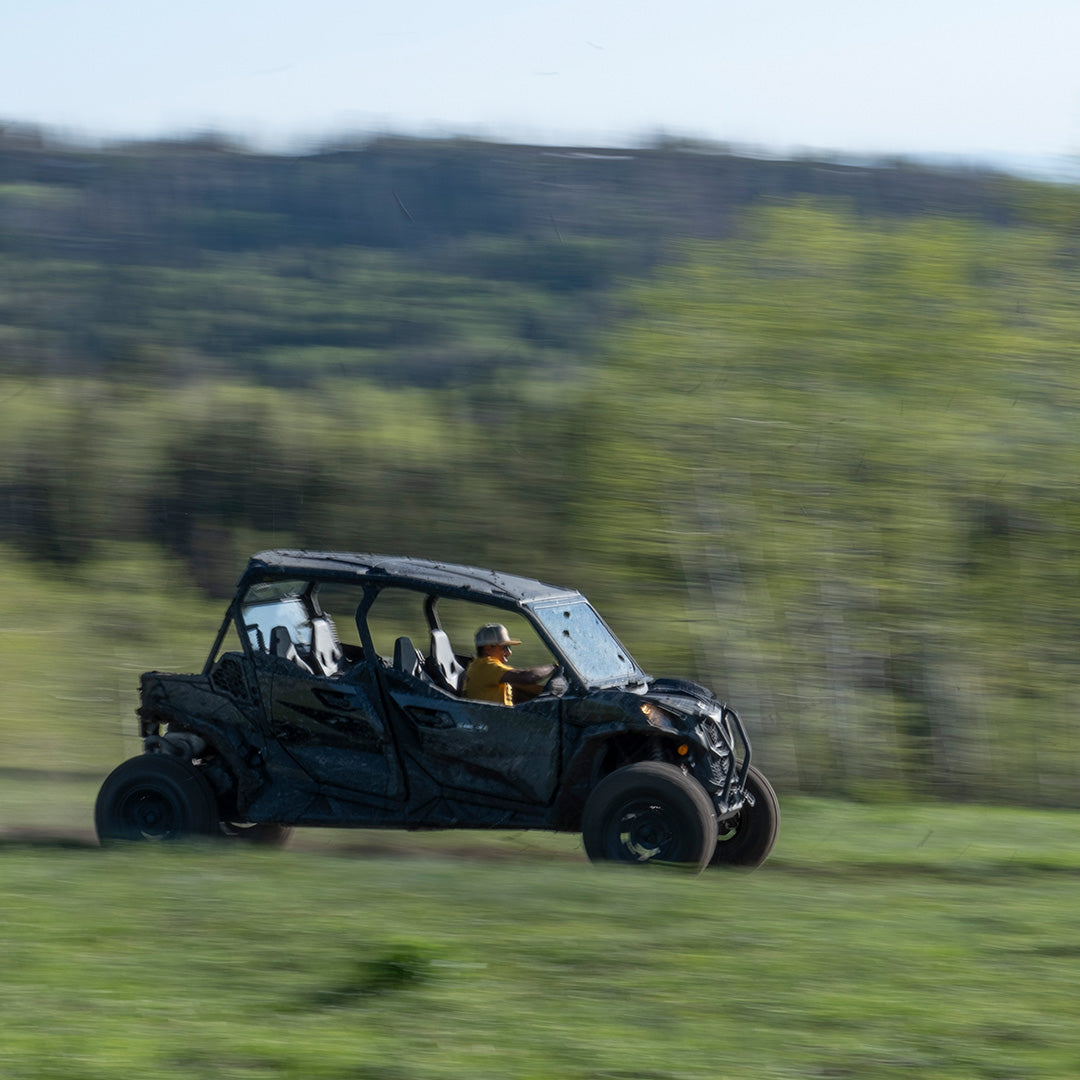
587, 644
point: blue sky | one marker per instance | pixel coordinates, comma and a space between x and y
950, 77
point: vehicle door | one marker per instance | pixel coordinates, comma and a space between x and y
476, 748
333, 728
330, 725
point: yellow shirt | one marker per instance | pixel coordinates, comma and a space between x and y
483, 681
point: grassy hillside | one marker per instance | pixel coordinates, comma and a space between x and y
73, 649
937, 942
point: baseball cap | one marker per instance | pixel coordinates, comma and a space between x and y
494, 634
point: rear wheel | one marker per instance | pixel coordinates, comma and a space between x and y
747, 838
155, 798
649, 812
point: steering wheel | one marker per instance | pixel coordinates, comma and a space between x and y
557, 683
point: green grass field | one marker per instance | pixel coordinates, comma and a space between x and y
878, 941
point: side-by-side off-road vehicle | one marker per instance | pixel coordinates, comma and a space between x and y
332, 697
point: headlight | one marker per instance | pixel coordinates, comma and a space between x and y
656, 716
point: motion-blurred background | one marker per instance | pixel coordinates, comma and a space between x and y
803, 423
804, 431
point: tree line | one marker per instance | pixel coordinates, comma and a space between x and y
816, 451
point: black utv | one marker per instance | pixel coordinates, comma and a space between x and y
332, 696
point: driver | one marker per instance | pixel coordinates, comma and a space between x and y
490, 678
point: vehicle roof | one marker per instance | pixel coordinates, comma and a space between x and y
447, 579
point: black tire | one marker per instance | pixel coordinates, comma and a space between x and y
260, 833
748, 837
155, 798
649, 812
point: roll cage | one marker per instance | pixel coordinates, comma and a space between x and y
432, 582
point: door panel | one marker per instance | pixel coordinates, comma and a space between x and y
333, 729
485, 749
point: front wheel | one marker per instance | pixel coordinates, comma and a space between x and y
649, 812
157, 798
747, 838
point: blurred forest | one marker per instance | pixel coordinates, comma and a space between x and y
804, 431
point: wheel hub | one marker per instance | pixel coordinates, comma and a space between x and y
150, 815
645, 830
